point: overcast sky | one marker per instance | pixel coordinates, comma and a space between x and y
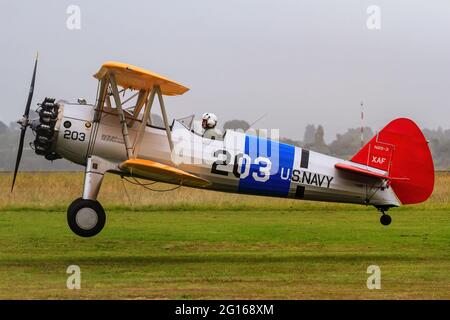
300, 62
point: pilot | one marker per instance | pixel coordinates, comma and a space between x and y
209, 122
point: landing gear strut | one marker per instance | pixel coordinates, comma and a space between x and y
385, 219
85, 215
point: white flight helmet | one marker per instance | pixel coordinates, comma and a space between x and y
209, 120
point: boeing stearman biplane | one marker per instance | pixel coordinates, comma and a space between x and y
394, 168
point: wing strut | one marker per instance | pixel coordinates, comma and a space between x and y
145, 118
164, 114
156, 90
123, 121
114, 75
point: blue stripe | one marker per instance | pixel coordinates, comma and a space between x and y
282, 158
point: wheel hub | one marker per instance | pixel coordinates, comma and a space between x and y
86, 218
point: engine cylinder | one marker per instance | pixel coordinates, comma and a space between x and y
45, 130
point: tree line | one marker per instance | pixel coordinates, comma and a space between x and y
344, 146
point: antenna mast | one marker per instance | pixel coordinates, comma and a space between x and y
362, 124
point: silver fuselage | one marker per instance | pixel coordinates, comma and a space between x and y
298, 173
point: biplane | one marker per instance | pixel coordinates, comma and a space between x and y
394, 168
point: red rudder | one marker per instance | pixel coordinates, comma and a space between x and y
402, 150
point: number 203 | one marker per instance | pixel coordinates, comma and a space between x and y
74, 135
242, 162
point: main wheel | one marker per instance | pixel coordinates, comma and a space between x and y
385, 219
86, 218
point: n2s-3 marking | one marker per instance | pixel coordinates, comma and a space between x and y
242, 162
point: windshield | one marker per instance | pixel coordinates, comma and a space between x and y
192, 124
187, 122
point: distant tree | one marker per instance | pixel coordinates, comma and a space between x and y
319, 136
13, 126
236, 124
439, 143
319, 144
310, 134
347, 144
3, 128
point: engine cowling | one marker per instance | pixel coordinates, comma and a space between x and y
44, 143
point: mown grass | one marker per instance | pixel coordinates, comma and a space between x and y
195, 244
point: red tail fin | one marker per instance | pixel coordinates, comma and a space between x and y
401, 149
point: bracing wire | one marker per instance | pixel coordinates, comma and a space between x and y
146, 185
368, 196
126, 192
138, 183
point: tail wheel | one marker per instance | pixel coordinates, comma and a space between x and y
385, 219
86, 218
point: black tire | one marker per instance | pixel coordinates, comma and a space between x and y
91, 221
385, 219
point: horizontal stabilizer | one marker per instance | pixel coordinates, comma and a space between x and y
161, 172
354, 169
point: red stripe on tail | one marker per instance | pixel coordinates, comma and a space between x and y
402, 150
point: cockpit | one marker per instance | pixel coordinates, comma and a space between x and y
195, 126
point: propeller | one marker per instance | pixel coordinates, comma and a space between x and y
24, 123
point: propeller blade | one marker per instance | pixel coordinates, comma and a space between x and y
19, 155
30, 94
24, 123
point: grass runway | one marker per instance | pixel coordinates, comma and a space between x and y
193, 244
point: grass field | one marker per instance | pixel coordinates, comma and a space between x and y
195, 244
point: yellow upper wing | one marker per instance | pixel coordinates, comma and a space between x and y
161, 172
132, 77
